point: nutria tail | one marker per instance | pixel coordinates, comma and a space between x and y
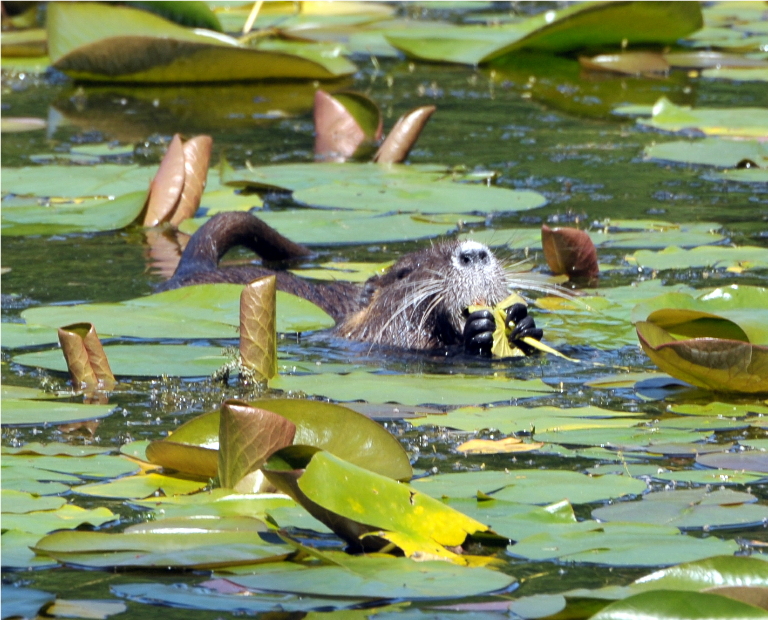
199, 263
227, 230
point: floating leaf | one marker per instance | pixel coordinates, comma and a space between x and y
710, 152
18, 502
718, 571
735, 259
735, 122
627, 63
16, 124
688, 509
411, 389
68, 516
22, 412
500, 446
712, 363
752, 461
111, 43
683, 605
200, 311
139, 487
193, 543
24, 602
95, 609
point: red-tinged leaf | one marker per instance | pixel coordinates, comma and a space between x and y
569, 251
711, 363
86, 360
337, 133
197, 156
403, 136
247, 437
258, 327
165, 189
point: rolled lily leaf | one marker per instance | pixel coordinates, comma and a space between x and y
403, 136
99, 42
247, 437
175, 192
343, 122
86, 360
258, 332
569, 251
367, 503
711, 363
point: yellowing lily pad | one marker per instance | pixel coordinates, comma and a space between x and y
735, 259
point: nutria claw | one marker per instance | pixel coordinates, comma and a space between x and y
478, 333
517, 314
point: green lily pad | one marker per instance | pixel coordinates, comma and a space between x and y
735, 122
742, 175
718, 571
620, 544
736, 74
64, 218
94, 466
688, 509
716, 408
56, 449
216, 503
639, 439
729, 258
169, 543
18, 502
24, 602
749, 461
200, 311
16, 553
411, 389
133, 360
16, 335
23, 412
716, 152
531, 486
716, 477
68, 516
140, 486
683, 605
141, 47
378, 577
103, 180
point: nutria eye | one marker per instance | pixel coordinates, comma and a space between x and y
466, 259
402, 273
483, 255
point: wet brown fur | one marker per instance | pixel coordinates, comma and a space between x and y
417, 304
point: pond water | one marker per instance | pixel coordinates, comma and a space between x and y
563, 142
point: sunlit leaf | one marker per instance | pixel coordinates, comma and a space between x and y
717, 152
736, 259
92, 609
84, 354
16, 553
627, 63
569, 251
411, 389
140, 486
111, 43
23, 412
736, 122
712, 363
688, 509
16, 124
18, 502
258, 327
403, 136
682, 605
751, 461
717, 571
68, 516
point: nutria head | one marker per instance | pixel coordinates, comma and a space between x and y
419, 302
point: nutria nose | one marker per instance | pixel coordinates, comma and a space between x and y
471, 256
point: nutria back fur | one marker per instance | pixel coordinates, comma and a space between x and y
419, 303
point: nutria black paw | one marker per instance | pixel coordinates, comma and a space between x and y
478, 333
524, 327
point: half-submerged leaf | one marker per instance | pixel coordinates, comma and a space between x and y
94, 41
711, 363
258, 332
86, 360
358, 504
570, 252
403, 136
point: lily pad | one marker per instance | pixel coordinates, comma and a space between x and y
103, 180
18, 502
411, 389
716, 152
68, 516
16, 553
734, 122
619, 544
24, 602
378, 577
23, 412
688, 510
749, 461
683, 605
200, 311
736, 259
122, 44
140, 486
530, 486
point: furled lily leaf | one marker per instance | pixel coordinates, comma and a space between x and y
569, 251
258, 332
343, 122
112, 43
627, 63
403, 136
712, 363
367, 503
247, 437
86, 360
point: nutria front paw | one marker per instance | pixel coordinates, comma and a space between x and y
517, 314
478, 333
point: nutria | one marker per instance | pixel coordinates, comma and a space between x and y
419, 303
